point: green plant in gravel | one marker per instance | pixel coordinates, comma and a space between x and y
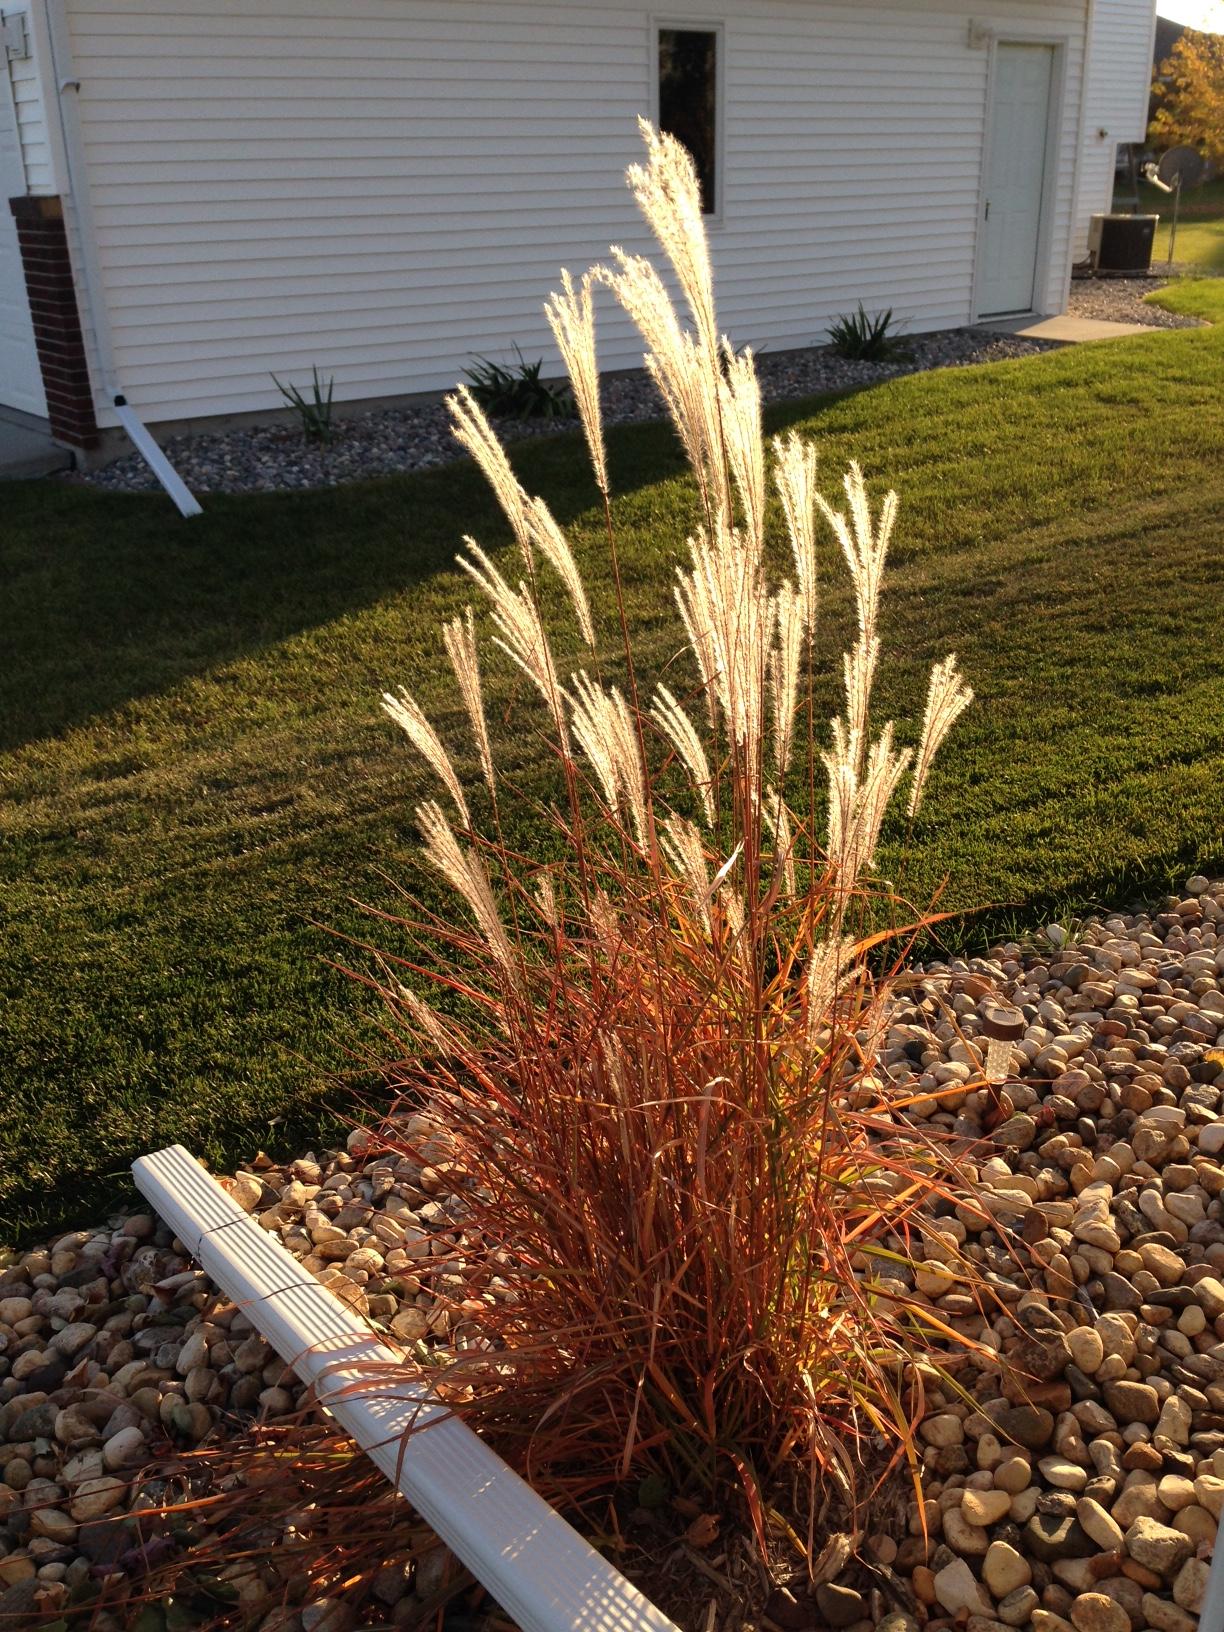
865, 337
192, 781
314, 411
517, 390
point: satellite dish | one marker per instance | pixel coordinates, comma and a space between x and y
1182, 165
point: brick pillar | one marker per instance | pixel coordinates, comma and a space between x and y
57, 322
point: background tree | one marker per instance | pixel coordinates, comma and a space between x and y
1189, 90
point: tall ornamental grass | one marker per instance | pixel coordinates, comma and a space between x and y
649, 1063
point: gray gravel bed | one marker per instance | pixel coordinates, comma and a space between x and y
1121, 300
258, 459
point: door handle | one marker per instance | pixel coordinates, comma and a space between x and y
988, 209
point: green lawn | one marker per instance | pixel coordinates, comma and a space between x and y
1200, 227
1194, 297
196, 777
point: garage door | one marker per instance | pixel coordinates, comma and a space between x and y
20, 380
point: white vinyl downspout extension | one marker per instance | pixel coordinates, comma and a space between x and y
541, 1572
85, 250
142, 439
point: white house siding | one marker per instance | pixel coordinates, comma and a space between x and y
386, 187
1115, 99
31, 111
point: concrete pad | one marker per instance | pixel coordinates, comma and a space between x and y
1070, 331
26, 449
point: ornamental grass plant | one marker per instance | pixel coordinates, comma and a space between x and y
646, 1062
648, 1057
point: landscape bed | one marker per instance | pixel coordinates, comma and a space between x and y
1076, 1479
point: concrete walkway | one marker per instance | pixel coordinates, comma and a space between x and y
1070, 331
26, 448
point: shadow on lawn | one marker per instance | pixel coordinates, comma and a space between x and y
110, 597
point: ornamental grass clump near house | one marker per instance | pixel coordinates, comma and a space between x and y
648, 1056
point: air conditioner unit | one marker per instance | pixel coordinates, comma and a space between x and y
1121, 243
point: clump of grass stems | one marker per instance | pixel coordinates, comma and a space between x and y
649, 1061
658, 1091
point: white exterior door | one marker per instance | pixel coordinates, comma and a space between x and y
1015, 179
20, 378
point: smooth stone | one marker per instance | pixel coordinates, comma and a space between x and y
985, 1507
1004, 1570
1094, 1612
1086, 1349
1097, 1523
1133, 1402
95, 1498
1062, 1474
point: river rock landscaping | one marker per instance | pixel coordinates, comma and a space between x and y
265, 458
1073, 1477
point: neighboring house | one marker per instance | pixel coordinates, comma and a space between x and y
1118, 87
206, 192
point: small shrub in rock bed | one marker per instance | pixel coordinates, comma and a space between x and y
517, 391
864, 337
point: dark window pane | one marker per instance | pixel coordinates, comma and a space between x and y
687, 80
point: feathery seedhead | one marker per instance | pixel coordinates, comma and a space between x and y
680, 841
830, 969
604, 728
411, 719
472, 431
668, 193
522, 635
740, 401
464, 871
571, 316
857, 804
685, 371
947, 699
864, 543
554, 547
729, 616
784, 665
459, 637
682, 734
795, 477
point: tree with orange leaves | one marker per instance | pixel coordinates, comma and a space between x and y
1190, 90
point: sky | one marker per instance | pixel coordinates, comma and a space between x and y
1198, 13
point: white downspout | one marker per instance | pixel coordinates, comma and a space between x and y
67, 89
542, 1573
85, 249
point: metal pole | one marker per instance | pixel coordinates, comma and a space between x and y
1173, 229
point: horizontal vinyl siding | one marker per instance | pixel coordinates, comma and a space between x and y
28, 100
1116, 99
386, 188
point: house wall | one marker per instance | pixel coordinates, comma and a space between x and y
1115, 100
30, 106
387, 187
